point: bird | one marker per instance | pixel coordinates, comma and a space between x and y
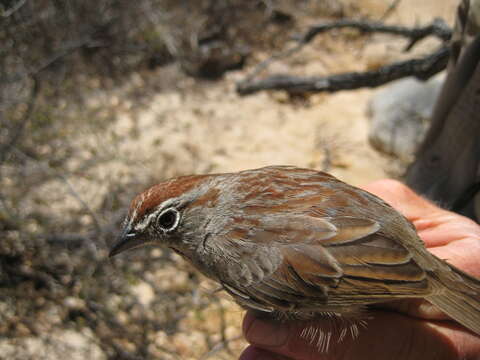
294, 243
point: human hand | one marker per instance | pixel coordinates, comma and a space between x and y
406, 329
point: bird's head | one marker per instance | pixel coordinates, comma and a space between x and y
159, 214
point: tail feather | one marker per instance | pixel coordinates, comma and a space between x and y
458, 296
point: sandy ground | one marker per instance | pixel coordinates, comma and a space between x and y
207, 127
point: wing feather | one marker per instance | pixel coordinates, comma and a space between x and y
330, 261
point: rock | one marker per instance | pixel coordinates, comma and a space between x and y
400, 115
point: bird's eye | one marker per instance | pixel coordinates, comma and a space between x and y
168, 219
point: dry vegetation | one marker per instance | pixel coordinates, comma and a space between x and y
79, 136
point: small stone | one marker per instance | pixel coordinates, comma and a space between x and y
74, 303
157, 252
144, 293
161, 338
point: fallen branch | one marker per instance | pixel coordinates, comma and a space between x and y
437, 28
422, 68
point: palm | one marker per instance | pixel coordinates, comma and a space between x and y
404, 330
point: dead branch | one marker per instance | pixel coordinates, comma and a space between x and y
421, 68
437, 28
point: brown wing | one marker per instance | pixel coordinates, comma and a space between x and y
329, 263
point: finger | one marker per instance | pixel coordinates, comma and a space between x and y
255, 353
441, 229
388, 335
418, 308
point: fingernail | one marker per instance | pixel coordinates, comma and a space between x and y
263, 332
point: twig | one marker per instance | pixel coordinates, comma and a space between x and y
223, 325
219, 346
264, 64
77, 240
390, 10
68, 48
15, 7
73, 240
224, 341
10, 220
69, 186
169, 352
327, 160
20, 127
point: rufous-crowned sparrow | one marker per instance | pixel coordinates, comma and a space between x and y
297, 243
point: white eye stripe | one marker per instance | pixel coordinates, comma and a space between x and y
146, 222
156, 214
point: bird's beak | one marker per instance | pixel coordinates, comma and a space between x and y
129, 239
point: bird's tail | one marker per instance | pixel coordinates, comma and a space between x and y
458, 296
